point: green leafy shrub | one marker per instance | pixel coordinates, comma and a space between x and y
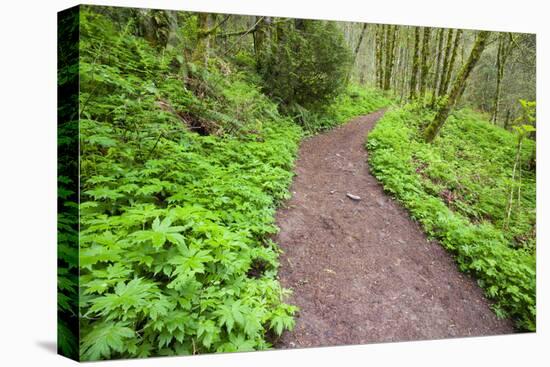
67, 186
457, 189
175, 256
354, 101
307, 66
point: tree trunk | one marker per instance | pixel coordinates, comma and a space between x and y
363, 31
437, 66
504, 48
385, 55
500, 72
260, 35
404, 60
511, 199
390, 55
445, 62
200, 55
425, 56
379, 36
356, 52
449, 71
412, 87
458, 87
507, 120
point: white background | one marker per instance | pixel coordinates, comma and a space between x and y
28, 181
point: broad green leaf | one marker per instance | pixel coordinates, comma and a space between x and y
104, 339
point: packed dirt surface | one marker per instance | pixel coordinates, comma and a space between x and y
361, 270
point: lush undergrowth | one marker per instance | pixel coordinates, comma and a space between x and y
182, 167
354, 101
175, 256
458, 188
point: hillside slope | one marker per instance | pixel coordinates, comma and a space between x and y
458, 189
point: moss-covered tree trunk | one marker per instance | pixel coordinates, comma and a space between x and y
504, 48
424, 63
379, 38
384, 55
446, 59
259, 36
387, 56
200, 55
449, 72
437, 66
500, 73
390, 55
457, 88
413, 83
402, 80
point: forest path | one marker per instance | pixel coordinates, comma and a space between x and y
363, 271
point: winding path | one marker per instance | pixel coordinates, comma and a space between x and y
363, 271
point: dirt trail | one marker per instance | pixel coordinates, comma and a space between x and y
363, 271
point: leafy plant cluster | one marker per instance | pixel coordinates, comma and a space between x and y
67, 193
175, 256
457, 188
306, 64
354, 101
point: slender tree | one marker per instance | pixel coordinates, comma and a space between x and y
449, 71
390, 55
437, 66
357, 48
359, 42
384, 55
446, 59
401, 66
200, 54
504, 49
424, 62
260, 35
457, 88
507, 119
413, 83
379, 41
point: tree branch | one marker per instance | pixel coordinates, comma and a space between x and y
251, 29
209, 32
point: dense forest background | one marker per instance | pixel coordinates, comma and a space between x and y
405, 60
505, 72
189, 127
380, 56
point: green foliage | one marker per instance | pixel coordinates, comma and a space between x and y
354, 101
529, 112
457, 189
305, 65
175, 256
67, 186
523, 130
